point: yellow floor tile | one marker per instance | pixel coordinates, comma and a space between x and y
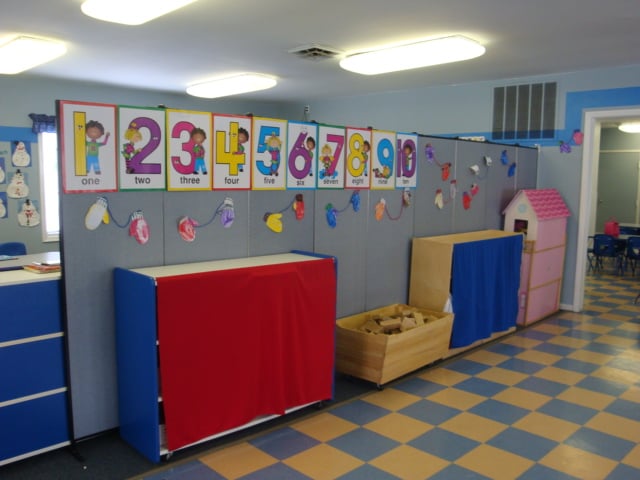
586, 398
473, 426
591, 357
444, 376
409, 463
391, 399
633, 457
594, 328
597, 308
399, 427
549, 328
616, 425
568, 342
502, 376
494, 463
323, 462
522, 398
576, 462
535, 356
616, 375
452, 397
614, 316
575, 316
547, 426
486, 357
632, 395
617, 341
237, 460
522, 342
560, 375
324, 427
630, 327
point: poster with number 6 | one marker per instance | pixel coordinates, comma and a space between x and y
269, 153
301, 163
141, 148
407, 160
88, 146
188, 160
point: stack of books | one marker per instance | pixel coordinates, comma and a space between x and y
43, 267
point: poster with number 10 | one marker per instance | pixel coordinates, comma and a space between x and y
141, 148
232, 152
301, 148
188, 160
88, 147
269, 153
407, 160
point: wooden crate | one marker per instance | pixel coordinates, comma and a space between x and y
381, 358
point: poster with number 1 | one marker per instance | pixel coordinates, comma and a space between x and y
141, 148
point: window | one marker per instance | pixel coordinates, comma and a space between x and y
49, 193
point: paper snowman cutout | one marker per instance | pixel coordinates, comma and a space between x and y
21, 157
3, 209
28, 215
2, 174
17, 187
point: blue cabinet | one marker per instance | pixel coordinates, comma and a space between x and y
33, 393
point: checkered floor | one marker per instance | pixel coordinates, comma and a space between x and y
557, 400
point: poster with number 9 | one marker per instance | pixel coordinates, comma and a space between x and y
301, 155
141, 148
188, 160
383, 158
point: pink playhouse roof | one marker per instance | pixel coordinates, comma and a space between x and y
546, 203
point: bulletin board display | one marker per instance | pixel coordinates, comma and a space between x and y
108, 147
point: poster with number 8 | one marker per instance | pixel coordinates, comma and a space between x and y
141, 148
358, 158
188, 150
407, 160
301, 155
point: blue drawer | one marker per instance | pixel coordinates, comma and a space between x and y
33, 425
31, 368
30, 309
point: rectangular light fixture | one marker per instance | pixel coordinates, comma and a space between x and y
233, 85
130, 12
413, 55
629, 127
24, 52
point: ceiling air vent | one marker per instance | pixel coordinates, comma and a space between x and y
315, 52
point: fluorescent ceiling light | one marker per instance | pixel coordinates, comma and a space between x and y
131, 12
22, 53
413, 55
630, 127
223, 87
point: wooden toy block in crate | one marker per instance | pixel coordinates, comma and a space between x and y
380, 357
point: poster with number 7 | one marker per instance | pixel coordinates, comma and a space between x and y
188, 150
331, 149
141, 148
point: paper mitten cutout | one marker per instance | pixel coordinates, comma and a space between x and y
228, 214
274, 221
298, 206
512, 170
504, 158
380, 206
429, 153
474, 189
466, 200
438, 201
446, 170
138, 228
355, 200
96, 214
578, 137
406, 197
332, 215
453, 189
187, 229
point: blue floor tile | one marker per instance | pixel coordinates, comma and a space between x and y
444, 444
194, 470
625, 408
619, 332
540, 472
430, 412
523, 443
624, 472
277, 471
596, 320
604, 348
480, 386
536, 335
600, 385
628, 364
284, 442
522, 366
454, 472
499, 411
576, 365
505, 349
467, 366
602, 444
363, 444
418, 386
540, 385
359, 412
367, 472
581, 334
554, 349
568, 411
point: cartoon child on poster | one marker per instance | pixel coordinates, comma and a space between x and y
273, 147
198, 136
94, 130
133, 136
327, 161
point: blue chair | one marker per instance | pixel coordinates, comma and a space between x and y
606, 246
13, 248
632, 254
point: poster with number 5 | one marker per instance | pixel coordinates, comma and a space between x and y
188, 150
407, 160
269, 153
141, 148
88, 147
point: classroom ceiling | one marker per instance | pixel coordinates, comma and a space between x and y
212, 38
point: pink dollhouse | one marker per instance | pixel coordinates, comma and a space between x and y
541, 216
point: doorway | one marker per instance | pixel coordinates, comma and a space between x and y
593, 121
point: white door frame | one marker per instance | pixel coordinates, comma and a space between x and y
588, 187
